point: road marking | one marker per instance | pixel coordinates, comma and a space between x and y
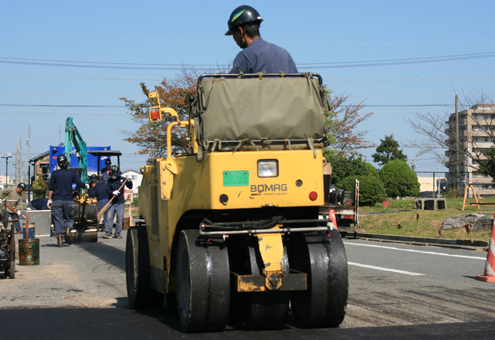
384, 269
416, 251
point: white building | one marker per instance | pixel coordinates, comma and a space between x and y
136, 178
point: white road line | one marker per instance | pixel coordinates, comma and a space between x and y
384, 269
415, 251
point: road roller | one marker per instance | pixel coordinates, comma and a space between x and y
229, 230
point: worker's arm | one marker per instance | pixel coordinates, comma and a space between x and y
49, 203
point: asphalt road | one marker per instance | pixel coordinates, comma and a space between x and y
396, 291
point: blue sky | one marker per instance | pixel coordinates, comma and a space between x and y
37, 38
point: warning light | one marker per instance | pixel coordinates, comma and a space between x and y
155, 114
313, 195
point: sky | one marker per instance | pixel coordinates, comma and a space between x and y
67, 58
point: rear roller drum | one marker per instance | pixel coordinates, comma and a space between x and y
259, 310
137, 266
203, 283
323, 258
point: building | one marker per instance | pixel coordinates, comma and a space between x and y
136, 178
476, 127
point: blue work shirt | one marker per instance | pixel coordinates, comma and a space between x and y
262, 56
39, 204
115, 184
100, 191
61, 184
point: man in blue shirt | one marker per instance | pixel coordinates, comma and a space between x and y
257, 55
116, 188
60, 191
99, 191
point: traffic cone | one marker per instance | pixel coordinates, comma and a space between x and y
331, 215
490, 261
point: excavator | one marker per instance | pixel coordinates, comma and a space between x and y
85, 211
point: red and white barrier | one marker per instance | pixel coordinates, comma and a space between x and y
490, 260
331, 215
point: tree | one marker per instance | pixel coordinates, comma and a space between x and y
343, 167
388, 150
399, 179
371, 189
40, 186
174, 93
371, 170
441, 134
341, 124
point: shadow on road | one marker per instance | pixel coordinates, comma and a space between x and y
116, 323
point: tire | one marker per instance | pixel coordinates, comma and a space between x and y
323, 258
137, 265
258, 310
203, 283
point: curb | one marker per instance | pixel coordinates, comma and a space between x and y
425, 241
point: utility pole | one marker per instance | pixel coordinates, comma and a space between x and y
456, 141
20, 160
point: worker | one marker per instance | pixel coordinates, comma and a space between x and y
105, 172
38, 204
116, 188
12, 199
257, 55
60, 198
99, 190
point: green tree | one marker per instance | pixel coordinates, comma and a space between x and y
371, 170
388, 150
40, 187
343, 167
371, 189
399, 179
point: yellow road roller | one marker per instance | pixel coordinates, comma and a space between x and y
230, 231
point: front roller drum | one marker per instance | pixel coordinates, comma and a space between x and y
324, 259
203, 283
81, 236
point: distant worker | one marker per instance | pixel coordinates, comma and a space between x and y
99, 190
105, 172
257, 55
60, 191
38, 204
116, 188
12, 199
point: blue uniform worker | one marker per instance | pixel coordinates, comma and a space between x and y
38, 204
115, 183
100, 192
257, 55
262, 56
105, 172
60, 197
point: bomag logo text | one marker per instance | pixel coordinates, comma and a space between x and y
266, 189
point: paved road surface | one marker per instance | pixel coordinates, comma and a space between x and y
396, 291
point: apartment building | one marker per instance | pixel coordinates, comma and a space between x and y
476, 127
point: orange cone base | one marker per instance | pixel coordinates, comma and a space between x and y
485, 278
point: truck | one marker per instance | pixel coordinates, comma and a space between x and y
230, 231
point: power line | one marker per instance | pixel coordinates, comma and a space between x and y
175, 67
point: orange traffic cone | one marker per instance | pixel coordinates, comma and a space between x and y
490, 261
331, 215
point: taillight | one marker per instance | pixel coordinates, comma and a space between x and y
313, 195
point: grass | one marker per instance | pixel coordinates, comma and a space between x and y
422, 223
